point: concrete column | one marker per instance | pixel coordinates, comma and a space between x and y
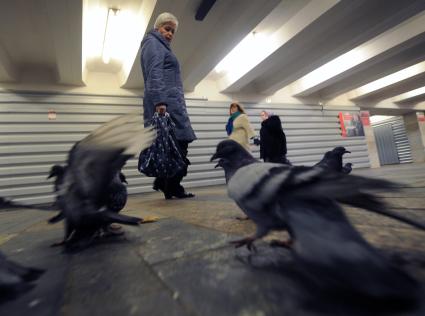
415, 129
371, 146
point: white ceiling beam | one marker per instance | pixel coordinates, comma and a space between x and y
207, 53
378, 86
340, 67
65, 20
226, 23
358, 21
387, 107
143, 15
394, 60
413, 96
234, 81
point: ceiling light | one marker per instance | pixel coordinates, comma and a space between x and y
252, 49
110, 34
393, 78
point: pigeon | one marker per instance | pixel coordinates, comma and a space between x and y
115, 197
58, 172
332, 160
15, 279
92, 168
8, 204
347, 168
305, 202
115, 200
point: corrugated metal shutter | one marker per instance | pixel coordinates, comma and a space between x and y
387, 149
30, 144
400, 138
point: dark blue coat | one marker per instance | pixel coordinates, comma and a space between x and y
163, 84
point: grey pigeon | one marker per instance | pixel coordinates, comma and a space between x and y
92, 166
115, 197
332, 160
305, 202
15, 279
93, 170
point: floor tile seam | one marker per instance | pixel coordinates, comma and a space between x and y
191, 255
166, 286
22, 231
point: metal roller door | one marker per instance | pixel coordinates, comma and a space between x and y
30, 142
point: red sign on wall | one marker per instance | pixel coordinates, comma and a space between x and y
420, 116
350, 124
365, 116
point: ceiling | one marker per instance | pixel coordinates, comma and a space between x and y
313, 49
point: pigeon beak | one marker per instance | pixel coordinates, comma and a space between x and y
347, 152
50, 175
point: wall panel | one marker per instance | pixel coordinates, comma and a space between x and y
30, 143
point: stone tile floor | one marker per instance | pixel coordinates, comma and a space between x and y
184, 265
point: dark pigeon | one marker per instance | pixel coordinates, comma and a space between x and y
9, 204
115, 198
57, 172
305, 202
115, 201
348, 167
15, 279
93, 165
332, 160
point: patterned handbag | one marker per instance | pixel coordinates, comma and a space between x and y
163, 158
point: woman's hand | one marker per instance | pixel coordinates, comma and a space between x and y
161, 108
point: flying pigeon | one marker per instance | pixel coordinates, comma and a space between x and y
93, 164
15, 279
114, 199
92, 167
305, 202
332, 160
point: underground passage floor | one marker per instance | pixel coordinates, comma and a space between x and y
183, 264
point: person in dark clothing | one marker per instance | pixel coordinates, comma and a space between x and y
164, 93
272, 139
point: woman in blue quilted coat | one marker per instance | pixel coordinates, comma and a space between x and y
164, 93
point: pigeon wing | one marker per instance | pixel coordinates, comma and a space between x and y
313, 183
259, 185
95, 160
330, 247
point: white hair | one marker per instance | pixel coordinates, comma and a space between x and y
164, 18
